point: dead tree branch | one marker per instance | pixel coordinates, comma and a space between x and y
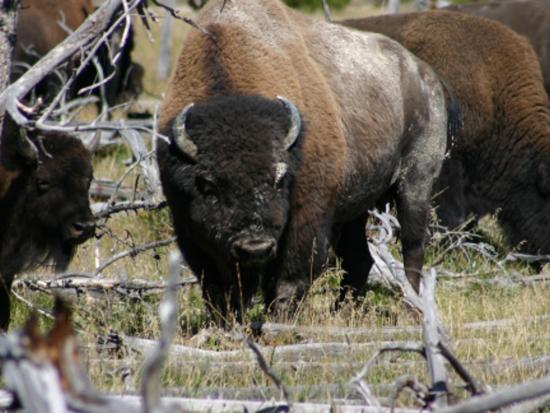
133, 252
436, 365
472, 385
8, 18
87, 281
175, 14
386, 267
502, 398
326, 11
269, 372
386, 333
104, 210
358, 382
147, 163
92, 28
150, 383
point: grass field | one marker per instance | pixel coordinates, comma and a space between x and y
466, 293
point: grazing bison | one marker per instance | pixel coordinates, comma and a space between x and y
530, 18
259, 185
501, 160
44, 206
42, 25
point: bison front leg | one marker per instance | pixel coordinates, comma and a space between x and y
413, 204
301, 260
413, 220
352, 247
227, 301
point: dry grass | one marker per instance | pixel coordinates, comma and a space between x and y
460, 302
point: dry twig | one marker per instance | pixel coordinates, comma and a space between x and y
150, 383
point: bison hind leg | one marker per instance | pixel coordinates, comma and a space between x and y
352, 248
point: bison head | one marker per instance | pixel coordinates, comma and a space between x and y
46, 211
228, 174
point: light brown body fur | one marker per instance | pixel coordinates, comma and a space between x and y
500, 161
38, 28
530, 18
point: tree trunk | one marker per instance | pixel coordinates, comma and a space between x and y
163, 66
393, 6
8, 17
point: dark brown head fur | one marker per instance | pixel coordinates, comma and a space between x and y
44, 207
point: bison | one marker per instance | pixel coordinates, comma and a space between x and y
530, 18
42, 25
44, 206
501, 159
282, 131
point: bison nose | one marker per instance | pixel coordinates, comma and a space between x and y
253, 250
82, 230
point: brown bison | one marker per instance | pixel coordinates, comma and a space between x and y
282, 132
501, 160
44, 206
43, 24
530, 18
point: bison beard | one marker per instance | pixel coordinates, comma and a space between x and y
44, 206
259, 185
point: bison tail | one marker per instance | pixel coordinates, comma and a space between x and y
455, 121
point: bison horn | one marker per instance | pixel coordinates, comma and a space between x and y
184, 142
295, 123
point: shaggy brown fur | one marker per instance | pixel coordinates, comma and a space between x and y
374, 127
501, 160
530, 18
44, 206
43, 24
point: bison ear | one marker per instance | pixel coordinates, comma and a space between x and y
543, 178
17, 152
295, 123
181, 137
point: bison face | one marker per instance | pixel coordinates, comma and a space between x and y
59, 189
48, 205
229, 174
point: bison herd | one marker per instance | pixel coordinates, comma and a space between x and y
283, 131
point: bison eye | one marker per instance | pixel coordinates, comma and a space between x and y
205, 186
42, 186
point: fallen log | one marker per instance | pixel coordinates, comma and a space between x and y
369, 333
502, 397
